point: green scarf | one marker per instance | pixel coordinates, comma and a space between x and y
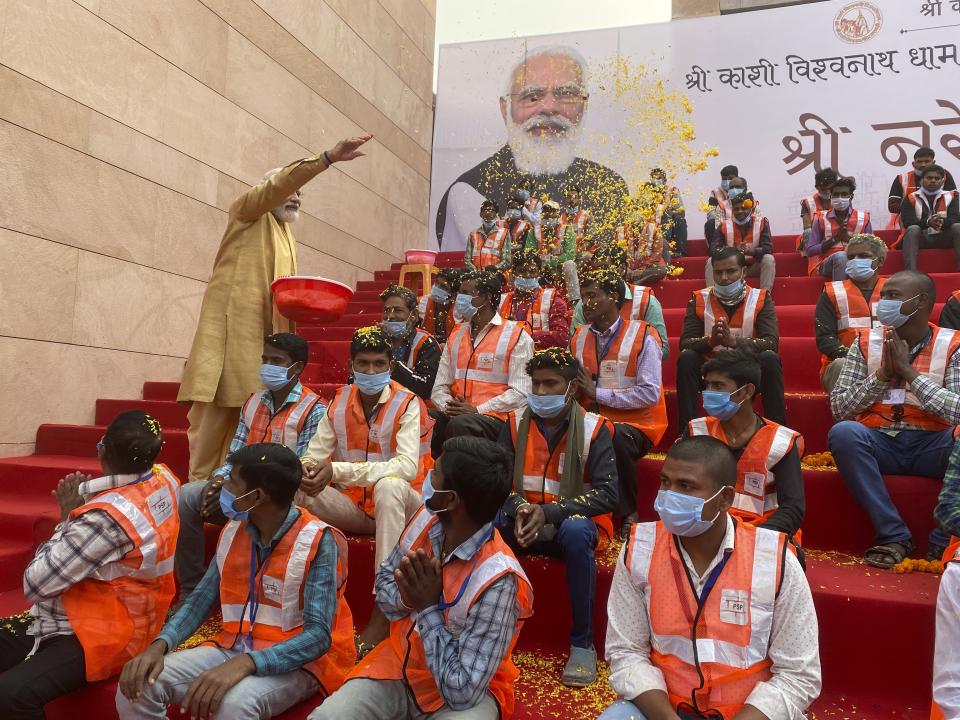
571, 474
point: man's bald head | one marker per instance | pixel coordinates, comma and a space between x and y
908, 284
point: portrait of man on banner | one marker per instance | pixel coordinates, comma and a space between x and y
543, 105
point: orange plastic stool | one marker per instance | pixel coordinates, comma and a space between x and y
426, 273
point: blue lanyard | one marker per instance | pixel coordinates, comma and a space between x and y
443, 604
254, 590
714, 574
602, 354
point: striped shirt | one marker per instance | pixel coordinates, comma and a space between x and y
462, 666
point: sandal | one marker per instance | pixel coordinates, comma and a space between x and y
887, 555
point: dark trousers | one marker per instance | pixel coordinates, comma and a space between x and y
629, 445
677, 234
917, 239
485, 426
57, 668
575, 542
689, 366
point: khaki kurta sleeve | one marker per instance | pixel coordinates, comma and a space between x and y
271, 192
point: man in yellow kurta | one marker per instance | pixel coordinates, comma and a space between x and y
257, 247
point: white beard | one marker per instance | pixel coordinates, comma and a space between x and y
285, 216
543, 154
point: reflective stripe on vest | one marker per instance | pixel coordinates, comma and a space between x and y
487, 249
939, 205
485, 573
749, 308
763, 592
550, 486
382, 431
420, 338
857, 217
729, 231
507, 330
292, 416
640, 299
626, 371
939, 357
842, 306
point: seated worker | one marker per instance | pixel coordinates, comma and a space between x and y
719, 200
832, 230
621, 379
730, 315
749, 232
573, 213
489, 244
896, 404
769, 489
642, 236
544, 310
285, 412
363, 467
761, 637
269, 655
818, 202
908, 182
931, 218
531, 205
562, 499
416, 354
673, 220
521, 230
641, 303
482, 374
448, 654
846, 306
950, 315
102, 584
946, 661
436, 310
556, 245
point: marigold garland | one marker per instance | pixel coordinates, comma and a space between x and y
934, 567
818, 461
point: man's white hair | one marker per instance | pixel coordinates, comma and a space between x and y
542, 51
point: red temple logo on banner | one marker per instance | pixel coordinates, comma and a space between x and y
857, 22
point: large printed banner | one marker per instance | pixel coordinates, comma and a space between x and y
857, 86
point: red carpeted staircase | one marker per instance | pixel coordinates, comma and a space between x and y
876, 628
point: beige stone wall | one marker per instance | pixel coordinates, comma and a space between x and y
126, 129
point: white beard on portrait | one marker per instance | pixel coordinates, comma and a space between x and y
543, 154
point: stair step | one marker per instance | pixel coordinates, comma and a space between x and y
15, 555
82, 440
38, 474
160, 390
170, 414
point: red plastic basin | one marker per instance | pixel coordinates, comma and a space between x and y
419, 257
310, 299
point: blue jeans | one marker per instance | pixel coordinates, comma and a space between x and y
864, 455
626, 710
575, 541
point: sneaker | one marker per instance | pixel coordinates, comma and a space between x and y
581, 668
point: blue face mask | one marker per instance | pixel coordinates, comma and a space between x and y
681, 514
371, 383
523, 194
733, 192
465, 306
528, 284
513, 214
274, 377
840, 204
717, 403
439, 295
489, 224
395, 328
860, 268
428, 492
547, 406
227, 501
728, 292
890, 312
725, 184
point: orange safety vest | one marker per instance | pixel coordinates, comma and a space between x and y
755, 499
743, 320
856, 221
428, 318
519, 230
119, 609
280, 590
642, 252
401, 656
715, 666
538, 314
579, 220
932, 362
636, 307
420, 338
542, 468
481, 373
920, 202
360, 440
487, 248
734, 234
285, 426
852, 311
621, 372
724, 207
908, 184
812, 205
